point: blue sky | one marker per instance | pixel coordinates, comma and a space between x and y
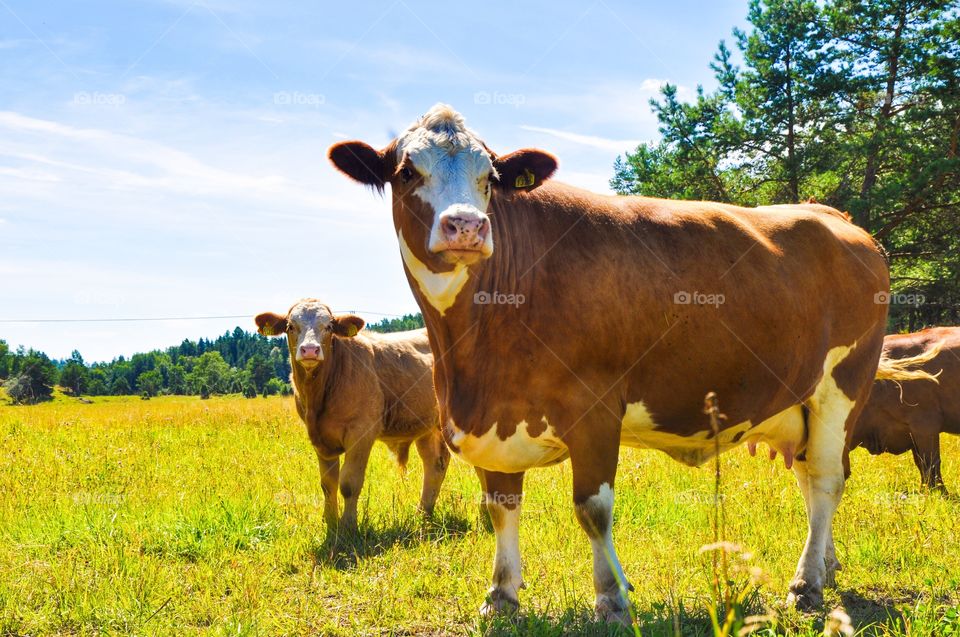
167, 158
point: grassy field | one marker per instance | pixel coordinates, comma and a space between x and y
182, 516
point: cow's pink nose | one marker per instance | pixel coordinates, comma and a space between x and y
464, 231
310, 352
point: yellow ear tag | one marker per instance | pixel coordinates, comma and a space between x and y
267, 330
525, 180
352, 330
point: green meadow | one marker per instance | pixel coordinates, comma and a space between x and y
185, 516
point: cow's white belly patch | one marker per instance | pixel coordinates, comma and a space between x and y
785, 432
519, 452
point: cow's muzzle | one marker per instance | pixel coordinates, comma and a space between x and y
463, 236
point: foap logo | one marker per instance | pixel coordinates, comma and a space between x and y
296, 98
899, 298
509, 500
698, 298
498, 298
95, 98
496, 98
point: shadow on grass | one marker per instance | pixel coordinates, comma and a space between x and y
874, 609
659, 620
344, 550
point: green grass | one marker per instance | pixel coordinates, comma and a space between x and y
182, 516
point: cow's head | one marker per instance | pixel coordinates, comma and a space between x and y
310, 327
443, 178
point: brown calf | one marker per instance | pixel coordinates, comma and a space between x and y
353, 389
910, 415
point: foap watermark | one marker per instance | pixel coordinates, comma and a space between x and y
496, 98
291, 499
698, 298
696, 498
508, 500
86, 498
296, 98
98, 297
96, 98
498, 298
899, 298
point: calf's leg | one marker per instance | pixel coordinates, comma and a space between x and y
329, 484
352, 475
436, 458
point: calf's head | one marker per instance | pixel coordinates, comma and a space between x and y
443, 178
310, 327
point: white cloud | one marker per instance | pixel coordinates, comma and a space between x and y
125, 162
616, 145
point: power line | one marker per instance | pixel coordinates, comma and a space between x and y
145, 319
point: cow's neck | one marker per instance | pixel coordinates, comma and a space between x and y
458, 331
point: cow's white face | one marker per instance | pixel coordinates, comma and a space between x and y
443, 177
450, 171
310, 327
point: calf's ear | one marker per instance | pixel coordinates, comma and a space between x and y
359, 162
524, 169
270, 324
347, 325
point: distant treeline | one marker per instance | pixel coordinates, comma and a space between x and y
236, 362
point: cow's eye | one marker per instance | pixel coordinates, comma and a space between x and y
406, 175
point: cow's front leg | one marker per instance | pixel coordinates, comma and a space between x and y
503, 493
594, 463
330, 483
352, 474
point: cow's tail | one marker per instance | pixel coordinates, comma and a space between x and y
898, 369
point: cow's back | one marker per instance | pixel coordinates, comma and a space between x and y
403, 364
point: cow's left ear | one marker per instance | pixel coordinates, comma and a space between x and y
346, 325
524, 169
360, 162
270, 324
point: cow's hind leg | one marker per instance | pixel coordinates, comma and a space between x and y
926, 455
830, 410
436, 458
831, 563
503, 493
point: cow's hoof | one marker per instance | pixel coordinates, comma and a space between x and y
499, 603
613, 610
805, 597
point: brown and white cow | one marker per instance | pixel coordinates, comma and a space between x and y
910, 415
566, 323
353, 388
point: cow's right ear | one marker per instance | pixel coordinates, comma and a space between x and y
359, 162
270, 324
